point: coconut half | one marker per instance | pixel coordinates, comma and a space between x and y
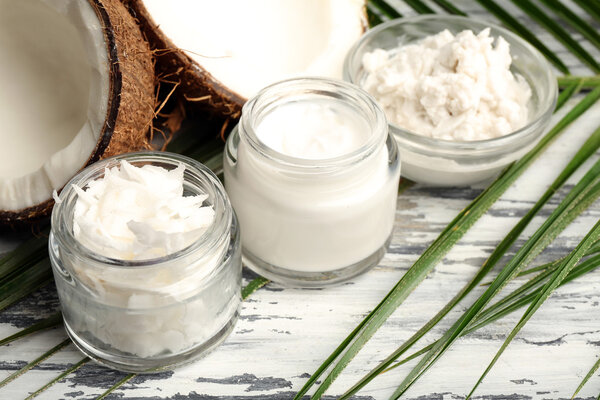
77, 85
223, 52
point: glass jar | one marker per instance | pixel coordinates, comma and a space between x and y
155, 314
312, 222
442, 162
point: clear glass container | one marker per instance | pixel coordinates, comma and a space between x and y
312, 222
155, 314
449, 163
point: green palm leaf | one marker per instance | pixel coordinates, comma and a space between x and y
60, 377
586, 150
373, 15
29, 280
587, 377
519, 28
387, 10
557, 277
449, 236
569, 91
114, 387
51, 322
419, 6
35, 362
247, 291
25, 255
558, 32
587, 82
501, 308
449, 7
574, 21
512, 302
592, 7
579, 198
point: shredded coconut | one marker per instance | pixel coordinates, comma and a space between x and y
135, 213
449, 87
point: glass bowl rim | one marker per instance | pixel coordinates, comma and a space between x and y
501, 142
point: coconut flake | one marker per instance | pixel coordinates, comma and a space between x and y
136, 213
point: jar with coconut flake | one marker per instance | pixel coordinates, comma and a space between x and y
145, 251
313, 176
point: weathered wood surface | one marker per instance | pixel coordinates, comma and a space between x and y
284, 334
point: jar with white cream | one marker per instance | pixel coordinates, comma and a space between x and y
313, 175
146, 256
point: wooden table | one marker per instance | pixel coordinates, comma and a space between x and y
284, 334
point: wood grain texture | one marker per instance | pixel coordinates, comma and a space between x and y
284, 334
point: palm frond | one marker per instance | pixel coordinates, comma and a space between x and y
433, 254
587, 149
527, 292
512, 302
419, 6
557, 277
503, 308
35, 362
569, 91
29, 280
522, 30
60, 377
386, 9
591, 7
253, 286
24, 256
574, 21
449, 7
247, 291
544, 267
587, 377
51, 322
587, 82
374, 15
120, 383
577, 200
558, 32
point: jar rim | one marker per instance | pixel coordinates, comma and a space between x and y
207, 241
436, 146
320, 87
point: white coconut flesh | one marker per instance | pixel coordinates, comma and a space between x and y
54, 95
247, 45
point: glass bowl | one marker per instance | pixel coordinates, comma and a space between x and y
453, 163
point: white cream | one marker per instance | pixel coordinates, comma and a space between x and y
312, 130
449, 87
136, 213
167, 307
312, 220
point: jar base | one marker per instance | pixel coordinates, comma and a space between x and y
302, 279
135, 364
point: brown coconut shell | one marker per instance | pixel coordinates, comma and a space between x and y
196, 85
197, 88
131, 99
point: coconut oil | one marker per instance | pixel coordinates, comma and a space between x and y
313, 176
450, 87
145, 253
